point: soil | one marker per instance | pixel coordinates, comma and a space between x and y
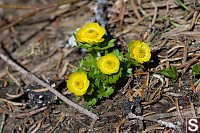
38, 40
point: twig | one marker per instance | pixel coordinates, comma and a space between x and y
61, 119
58, 94
189, 15
192, 108
173, 108
14, 96
32, 112
13, 78
193, 20
198, 88
119, 124
38, 126
173, 48
194, 89
190, 63
152, 128
121, 14
162, 123
185, 52
153, 100
153, 49
135, 10
155, 13
171, 54
14, 103
127, 84
173, 59
178, 111
2, 122
143, 87
197, 18
34, 12
59, 62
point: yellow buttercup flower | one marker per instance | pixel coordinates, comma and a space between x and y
108, 64
140, 51
92, 34
78, 83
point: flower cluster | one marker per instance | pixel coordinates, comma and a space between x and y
96, 74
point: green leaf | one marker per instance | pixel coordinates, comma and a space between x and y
10, 81
149, 43
113, 78
77, 97
129, 72
110, 79
130, 42
83, 45
137, 64
106, 52
92, 102
182, 4
108, 92
89, 62
170, 72
61, 102
97, 82
127, 54
195, 69
90, 90
104, 45
115, 52
119, 55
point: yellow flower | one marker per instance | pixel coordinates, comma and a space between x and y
78, 83
140, 51
108, 64
92, 34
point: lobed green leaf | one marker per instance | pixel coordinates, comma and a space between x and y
195, 69
170, 72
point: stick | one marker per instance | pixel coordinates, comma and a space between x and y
155, 13
135, 10
33, 77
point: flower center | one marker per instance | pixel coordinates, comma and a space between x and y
140, 52
79, 84
109, 64
92, 33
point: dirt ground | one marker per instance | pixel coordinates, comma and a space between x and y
35, 34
